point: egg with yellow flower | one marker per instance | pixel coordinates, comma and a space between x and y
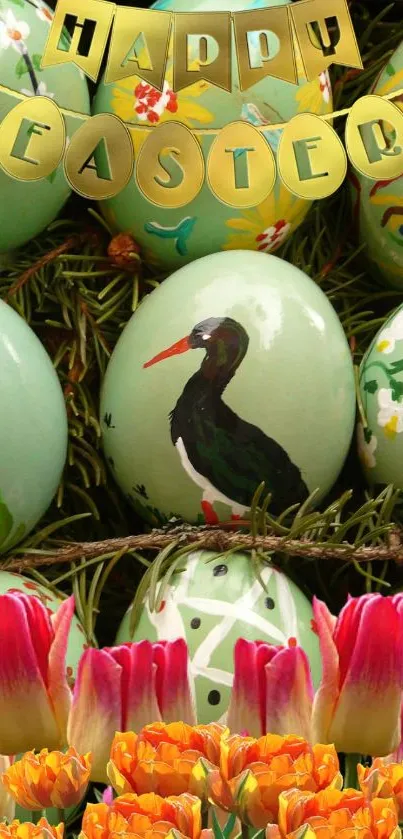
378, 205
380, 431
173, 236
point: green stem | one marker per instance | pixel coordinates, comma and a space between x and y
245, 831
36, 815
204, 818
350, 773
60, 815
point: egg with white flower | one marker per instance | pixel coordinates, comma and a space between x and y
171, 237
27, 207
380, 430
378, 205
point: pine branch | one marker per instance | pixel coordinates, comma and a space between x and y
212, 539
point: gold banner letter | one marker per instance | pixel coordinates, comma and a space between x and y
265, 45
326, 36
91, 22
202, 49
32, 139
99, 160
139, 45
237, 160
311, 158
374, 138
170, 166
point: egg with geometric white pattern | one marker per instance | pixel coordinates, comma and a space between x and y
380, 437
171, 237
27, 207
211, 604
378, 205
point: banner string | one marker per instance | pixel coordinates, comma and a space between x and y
198, 131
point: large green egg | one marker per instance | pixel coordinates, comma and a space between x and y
378, 205
251, 381
172, 237
211, 604
380, 442
33, 428
27, 207
10, 582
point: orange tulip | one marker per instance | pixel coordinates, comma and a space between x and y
148, 816
27, 830
330, 813
383, 780
48, 779
253, 773
166, 759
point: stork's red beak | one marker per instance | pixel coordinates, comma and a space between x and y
181, 346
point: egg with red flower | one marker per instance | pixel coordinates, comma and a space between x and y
192, 227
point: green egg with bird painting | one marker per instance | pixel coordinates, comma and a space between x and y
211, 602
234, 372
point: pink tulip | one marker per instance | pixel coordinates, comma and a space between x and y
125, 688
357, 705
34, 694
272, 690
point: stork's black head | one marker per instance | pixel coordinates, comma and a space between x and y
225, 341
218, 330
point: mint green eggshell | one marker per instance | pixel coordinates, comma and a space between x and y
27, 207
33, 429
171, 238
378, 205
77, 639
380, 444
211, 604
295, 384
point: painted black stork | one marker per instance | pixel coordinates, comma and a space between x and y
224, 455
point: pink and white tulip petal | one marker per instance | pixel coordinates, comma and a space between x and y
173, 688
96, 711
289, 693
27, 720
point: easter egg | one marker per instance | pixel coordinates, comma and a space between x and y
380, 438
378, 205
211, 604
171, 237
10, 582
33, 428
27, 207
234, 371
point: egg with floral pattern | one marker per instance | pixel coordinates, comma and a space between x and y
213, 601
378, 205
27, 207
10, 582
169, 238
380, 431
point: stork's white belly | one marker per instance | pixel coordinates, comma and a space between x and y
210, 493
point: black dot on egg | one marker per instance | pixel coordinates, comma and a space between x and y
214, 697
195, 623
220, 570
269, 603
